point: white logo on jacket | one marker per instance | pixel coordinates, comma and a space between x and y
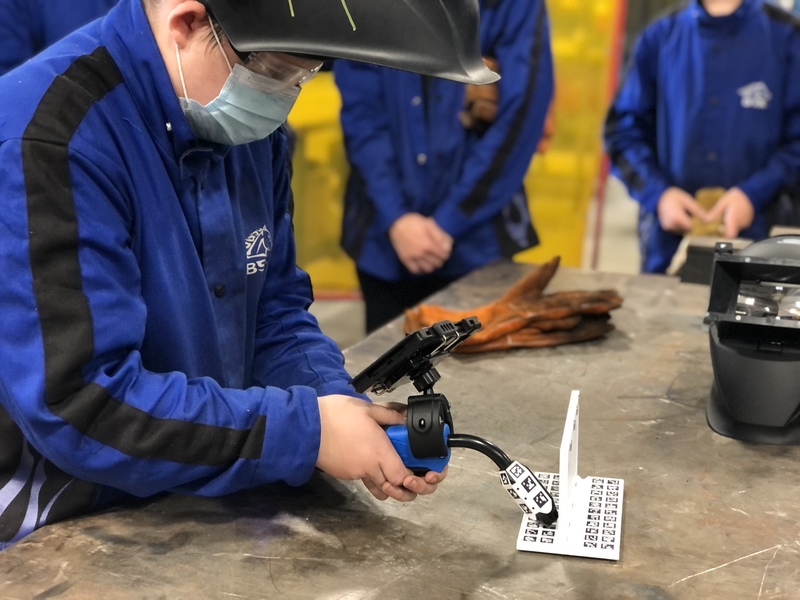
755, 95
258, 245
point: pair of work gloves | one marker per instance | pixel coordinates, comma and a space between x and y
526, 317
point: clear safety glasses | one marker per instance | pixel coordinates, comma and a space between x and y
290, 69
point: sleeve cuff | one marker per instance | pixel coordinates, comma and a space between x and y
291, 440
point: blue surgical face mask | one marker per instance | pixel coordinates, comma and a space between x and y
249, 107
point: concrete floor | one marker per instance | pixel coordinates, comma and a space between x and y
617, 252
342, 320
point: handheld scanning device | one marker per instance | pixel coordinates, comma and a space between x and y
424, 442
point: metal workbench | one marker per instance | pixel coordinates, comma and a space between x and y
705, 516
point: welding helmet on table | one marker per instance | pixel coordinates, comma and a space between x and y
432, 37
754, 334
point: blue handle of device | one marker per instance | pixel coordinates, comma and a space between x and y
398, 434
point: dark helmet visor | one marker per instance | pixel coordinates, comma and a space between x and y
431, 37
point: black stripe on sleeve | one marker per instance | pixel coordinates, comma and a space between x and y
473, 201
136, 433
782, 16
64, 313
63, 308
627, 173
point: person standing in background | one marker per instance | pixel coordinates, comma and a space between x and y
437, 167
29, 26
711, 99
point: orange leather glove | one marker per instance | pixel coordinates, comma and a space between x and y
526, 317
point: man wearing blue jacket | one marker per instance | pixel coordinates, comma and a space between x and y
29, 26
430, 199
711, 99
155, 334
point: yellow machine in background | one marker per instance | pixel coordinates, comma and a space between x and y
318, 182
560, 183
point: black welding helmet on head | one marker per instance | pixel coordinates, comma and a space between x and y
754, 334
431, 37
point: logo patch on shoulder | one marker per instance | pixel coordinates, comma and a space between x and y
755, 95
258, 245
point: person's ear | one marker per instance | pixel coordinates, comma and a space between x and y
186, 21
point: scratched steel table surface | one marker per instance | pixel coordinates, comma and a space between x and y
704, 516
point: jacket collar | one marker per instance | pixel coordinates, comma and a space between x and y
727, 23
127, 34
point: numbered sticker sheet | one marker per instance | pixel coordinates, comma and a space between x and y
590, 509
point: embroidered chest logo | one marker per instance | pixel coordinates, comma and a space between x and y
258, 245
755, 95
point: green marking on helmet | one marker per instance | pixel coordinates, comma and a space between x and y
344, 6
347, 12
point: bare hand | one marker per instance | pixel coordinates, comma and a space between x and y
676, 209
353, 445
421, 245
735, 210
